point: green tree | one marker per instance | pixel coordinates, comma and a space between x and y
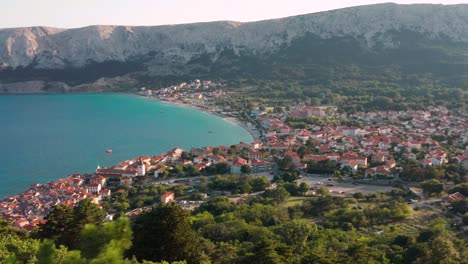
322, 191
165, 233
286, 164
431, 187
95, 238
444, 251
296, 234
245, 169
277, 196
260, 184
64, 224
217, 205
58, 226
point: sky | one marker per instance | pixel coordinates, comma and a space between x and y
80, 13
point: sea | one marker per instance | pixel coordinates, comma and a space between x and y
46, 137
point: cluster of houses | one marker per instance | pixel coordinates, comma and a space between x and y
381, 134
196, 92
29, 208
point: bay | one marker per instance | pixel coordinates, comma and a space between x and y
46, 137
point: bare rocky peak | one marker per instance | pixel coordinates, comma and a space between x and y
44, 47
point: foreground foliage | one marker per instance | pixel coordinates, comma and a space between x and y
322, 229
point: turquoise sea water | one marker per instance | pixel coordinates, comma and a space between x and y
46, 137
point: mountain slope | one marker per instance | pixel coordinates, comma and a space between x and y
416, 39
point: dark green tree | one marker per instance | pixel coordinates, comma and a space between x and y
217, 205
431, 187
245, 169
165, 233
58, 226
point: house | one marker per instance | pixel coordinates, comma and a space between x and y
316, 158
303, 134
93, 187
256, 145
215, 159
255, 155
414, 144
360, 160
98, 179
260, 165
105, 192
453, 197
174, 154
426, 162
285, 130
237, 165
130, 172
167, 197
351, 164
351, 131
126, 180
276, 146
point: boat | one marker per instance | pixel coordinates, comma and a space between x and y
210, 132
108, 150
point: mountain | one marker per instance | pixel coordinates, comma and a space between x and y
358, 43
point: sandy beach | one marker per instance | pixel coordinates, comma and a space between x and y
254, 133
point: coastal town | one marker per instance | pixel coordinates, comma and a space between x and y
391, 148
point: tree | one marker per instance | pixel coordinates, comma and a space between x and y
444, 251
322, 191
165, 233
260, 184
287, 164
15, 249
58, 226
278, 195
216, 151
465, 219
278, 109
432, 187
303, 188
95, 240
64, 224
314, 101
296, 234
217, 205
245, 169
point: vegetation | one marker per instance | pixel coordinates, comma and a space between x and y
322, 229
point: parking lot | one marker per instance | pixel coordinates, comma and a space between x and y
342, 187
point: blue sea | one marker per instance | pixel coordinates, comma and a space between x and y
46, 137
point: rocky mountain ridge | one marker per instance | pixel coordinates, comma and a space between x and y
180, 50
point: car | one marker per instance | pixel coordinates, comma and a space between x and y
355, 183
330, 184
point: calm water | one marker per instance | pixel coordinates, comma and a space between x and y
45, 137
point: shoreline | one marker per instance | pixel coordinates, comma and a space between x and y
253, 133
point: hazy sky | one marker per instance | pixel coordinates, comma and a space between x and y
79, 13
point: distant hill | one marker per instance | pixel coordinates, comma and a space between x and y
400, 44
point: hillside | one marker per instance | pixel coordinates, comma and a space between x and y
398, 44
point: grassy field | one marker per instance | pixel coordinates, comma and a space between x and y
293, 201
